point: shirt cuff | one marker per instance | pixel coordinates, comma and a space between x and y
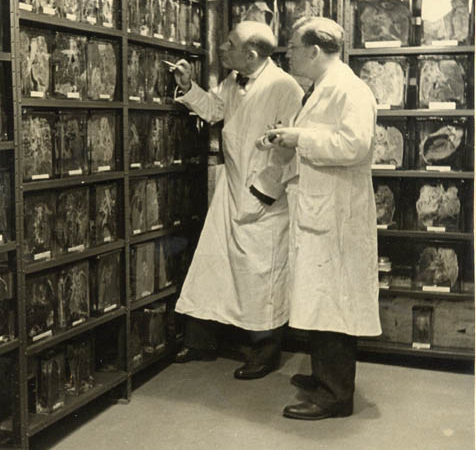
191, 96
262, 197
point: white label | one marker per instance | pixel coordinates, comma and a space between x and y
385, 268
144, 32
157, 227
196, 44
137, 358
435, 288
135, 165
136, 231
442, 105
383, 106
37, 94
168, 283
436, 229
445, 43
77, 248
384, 166
110, 308
1, 238
72, 95
107, 25
42, 176
171, 39
104, 168
412, 81
439, 168
70, 16
49, 11
78, 322
91, 20
177, 161
42, 255
421, 345
157, 100
177, 222
416, 20
104, 96
158, 35
42, 335
380, 44
25, 6
158, 164
134, 98
75, 172
108, 239
382, 226
183, 42
146, 293
384, 286
128, 30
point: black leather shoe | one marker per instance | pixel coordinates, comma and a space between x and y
251, 371
306, 382
192, 354
312, 411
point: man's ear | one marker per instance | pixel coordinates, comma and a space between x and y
252, 55
316, 51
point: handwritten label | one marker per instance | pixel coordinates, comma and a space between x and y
107, 25
439, 168
168, 284
136, 231
445, 43
42, 255
145, 293
75, 172
158, 35
382, 44
92, 20
442, 105
78, 322
72, 95
25, 6
49, 11
107, 239
383, 166
104, 96
177, 161
157, 227
110, 308
196, 44
157, 100
435, 288
42, 335
104, 168
136, 165
134, 98
436, 229
70, 16
77, 248
37, 94
177, 222
421, 345
382, 226
158, 164
41, 176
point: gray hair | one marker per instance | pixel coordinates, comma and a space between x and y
257, 36
325, 33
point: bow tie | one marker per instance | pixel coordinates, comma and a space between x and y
241, 80
307, 94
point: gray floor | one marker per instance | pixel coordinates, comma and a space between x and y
200, 406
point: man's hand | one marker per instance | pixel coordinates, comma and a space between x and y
183, 75
284, 137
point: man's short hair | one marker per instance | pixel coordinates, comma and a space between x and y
257, 36
325, 33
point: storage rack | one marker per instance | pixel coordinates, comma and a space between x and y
465, 238
23, 425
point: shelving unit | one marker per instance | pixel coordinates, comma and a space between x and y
17, 429
442, 303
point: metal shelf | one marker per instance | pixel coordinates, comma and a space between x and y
7, 145
422, 174
414, 293
4, 56
425, 112
157, 107
426, 235
104, 382
90, 324
64, 103
162, 43
73, 257
164, 293
423, 50
150, 235
134, 173
406, 349
164, 353
64, 24
8, 247
80, 180
7, 347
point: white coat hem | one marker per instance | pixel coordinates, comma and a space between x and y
359, 333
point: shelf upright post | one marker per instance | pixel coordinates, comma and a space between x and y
21, 429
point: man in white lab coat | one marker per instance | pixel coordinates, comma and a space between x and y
333, 284
238, 274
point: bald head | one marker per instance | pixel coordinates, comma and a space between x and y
256, 36
325, 33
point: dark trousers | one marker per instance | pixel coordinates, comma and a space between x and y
333, 360
205, 335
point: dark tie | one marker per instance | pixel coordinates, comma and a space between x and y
307, 94
241, 80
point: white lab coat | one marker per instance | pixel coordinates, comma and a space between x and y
238, 273
333, 233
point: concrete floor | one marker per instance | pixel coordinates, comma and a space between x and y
200, 406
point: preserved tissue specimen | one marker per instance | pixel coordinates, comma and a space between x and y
385, 202
438, 266
388, 146
438, 207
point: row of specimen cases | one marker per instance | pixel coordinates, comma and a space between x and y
431, 266
150, 73
425, 82
62, 298
177, 21
5, 102
7, 299
430, 143
66, 143
405, 23
439, 205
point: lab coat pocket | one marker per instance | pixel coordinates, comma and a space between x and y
250, 208
315, 212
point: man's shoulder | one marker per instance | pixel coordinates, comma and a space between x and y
277, 78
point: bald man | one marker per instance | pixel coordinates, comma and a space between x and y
238, 273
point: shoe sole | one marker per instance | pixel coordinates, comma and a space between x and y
291, 415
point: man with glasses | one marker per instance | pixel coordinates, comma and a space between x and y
333, 284
238, 272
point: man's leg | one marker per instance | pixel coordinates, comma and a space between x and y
265, 354
200, 341
333, 360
